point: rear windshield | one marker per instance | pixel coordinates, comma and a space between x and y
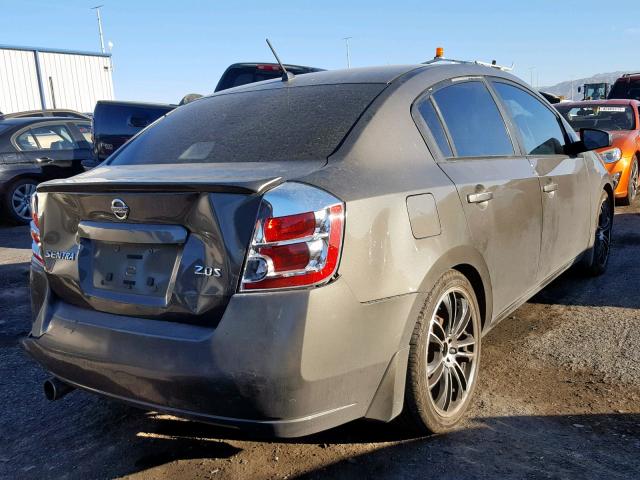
289, 123
626, 89
604, 117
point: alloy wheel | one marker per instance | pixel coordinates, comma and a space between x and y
21, 200
451, 352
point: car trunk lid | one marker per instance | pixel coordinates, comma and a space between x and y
169, 244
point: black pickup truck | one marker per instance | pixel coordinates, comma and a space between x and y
116, 122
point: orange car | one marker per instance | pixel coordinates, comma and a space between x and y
622, 119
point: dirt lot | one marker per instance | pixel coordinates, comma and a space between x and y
559, 397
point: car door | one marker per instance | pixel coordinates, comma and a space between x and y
498, 188
52, 147
563, 179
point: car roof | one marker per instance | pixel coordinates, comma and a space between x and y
379, 74
43, 111
629, 76
21, 121
383, 74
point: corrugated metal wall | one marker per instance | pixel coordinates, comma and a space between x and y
69, 80
18, 81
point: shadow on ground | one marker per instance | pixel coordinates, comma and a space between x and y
617, 287
581, 446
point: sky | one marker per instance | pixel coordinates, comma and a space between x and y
163, 50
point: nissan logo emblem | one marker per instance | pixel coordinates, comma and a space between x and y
119, 209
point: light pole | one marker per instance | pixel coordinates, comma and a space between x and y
346, 42
531, 70
97, 9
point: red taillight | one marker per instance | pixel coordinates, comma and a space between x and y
299, 249
286, 258
292, 226
34, 209
36, 243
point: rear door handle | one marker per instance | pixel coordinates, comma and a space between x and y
479, 197
44, 160
550, 187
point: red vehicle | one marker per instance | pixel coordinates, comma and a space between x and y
621, 118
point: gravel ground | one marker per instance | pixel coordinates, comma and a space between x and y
559, 397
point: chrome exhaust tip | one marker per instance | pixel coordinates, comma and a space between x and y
55, 389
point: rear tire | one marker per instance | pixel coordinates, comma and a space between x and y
444, 357
632, 185
597, 258
17, 201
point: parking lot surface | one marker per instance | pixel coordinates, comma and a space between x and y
559, 397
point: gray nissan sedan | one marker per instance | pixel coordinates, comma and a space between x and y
288, 256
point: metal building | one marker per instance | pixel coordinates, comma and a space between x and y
35, 78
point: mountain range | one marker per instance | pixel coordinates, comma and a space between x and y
566, 88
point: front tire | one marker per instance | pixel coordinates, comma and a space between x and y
444, 357
598, 256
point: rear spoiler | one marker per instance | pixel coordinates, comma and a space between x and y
248, 187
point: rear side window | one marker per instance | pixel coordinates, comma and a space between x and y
54, 137
272, 125
473, 120
538, 126
430, 117
26, 142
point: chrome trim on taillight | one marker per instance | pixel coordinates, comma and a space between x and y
323, 246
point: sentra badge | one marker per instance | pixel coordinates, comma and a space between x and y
60, 255
119, 209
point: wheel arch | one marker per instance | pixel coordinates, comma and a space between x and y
474, 277
609, 189
468, 261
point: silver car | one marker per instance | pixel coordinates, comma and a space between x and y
292, 255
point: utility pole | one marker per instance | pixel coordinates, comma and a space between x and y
571, 89
97, 9
346, 42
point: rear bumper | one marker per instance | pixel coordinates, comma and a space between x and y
284, 364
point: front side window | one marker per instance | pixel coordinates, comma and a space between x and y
602, 116
430, 117
538, 126
54, 137
473, 120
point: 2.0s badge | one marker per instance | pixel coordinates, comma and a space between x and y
208, 271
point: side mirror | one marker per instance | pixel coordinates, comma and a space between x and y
579, 89
590, 139
594, 139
